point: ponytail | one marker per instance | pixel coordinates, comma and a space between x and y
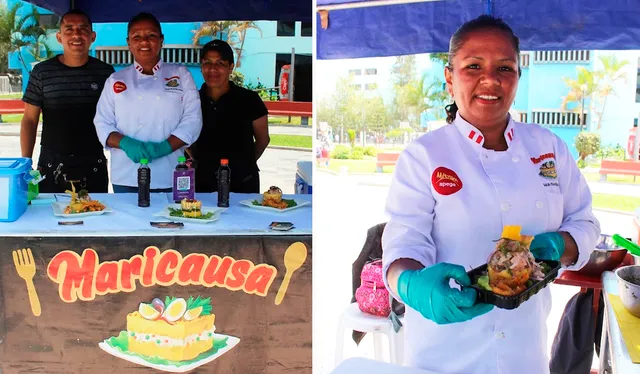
451, 110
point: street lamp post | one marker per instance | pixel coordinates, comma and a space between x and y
584, 88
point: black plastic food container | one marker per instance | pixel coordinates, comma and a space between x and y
511, 302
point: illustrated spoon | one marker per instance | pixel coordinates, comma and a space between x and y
294, 257
628, 245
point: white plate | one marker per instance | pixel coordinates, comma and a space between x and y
232, 341
249, 203
215, 210
59, 207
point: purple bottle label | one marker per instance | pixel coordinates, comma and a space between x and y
184, 186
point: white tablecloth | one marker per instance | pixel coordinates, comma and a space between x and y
620, 361
366, 366
128, 219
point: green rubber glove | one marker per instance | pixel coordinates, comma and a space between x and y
547, 246
134, 149
428, 292
158, 150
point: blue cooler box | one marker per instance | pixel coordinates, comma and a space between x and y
14, 174
303, 178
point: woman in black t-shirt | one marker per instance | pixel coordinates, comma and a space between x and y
234, 125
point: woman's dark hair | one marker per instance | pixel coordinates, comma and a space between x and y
144, 17
483, 22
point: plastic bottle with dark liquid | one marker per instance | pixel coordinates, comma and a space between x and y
224, 183
144, 184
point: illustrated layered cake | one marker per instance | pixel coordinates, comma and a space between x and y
175, 330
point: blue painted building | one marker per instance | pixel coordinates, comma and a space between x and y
540, 92
264, 52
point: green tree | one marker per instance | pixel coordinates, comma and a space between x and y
352, 137
607, 77
595, 86
8, 22
376, 115
402, 74
343, 110
237, 78
580, 89
403, 70
27, 35
587, 143
442, 58
233, 32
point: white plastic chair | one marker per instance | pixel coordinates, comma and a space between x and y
354, 319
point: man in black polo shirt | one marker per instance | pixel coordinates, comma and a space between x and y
234, 125
66, 89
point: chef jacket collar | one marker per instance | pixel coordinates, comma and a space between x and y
155, 69
475, 136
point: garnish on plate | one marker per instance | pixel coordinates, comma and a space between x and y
173, 212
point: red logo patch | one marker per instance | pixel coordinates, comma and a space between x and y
445, 181
119, 87
537, 160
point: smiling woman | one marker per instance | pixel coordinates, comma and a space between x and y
150, 110
452, 192
145, 40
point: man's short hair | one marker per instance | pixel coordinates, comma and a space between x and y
77, 12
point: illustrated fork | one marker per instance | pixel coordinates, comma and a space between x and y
26, 268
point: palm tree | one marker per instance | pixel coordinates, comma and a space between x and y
214, 29
610, 74
233, 32
595, 84
239, 31
27, 34
580, 89
7, 29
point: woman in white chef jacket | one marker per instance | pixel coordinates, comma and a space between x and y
149, 110
453, 191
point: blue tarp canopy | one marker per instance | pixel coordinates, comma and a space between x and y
376, 28
186, 11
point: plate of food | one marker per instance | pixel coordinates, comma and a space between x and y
191, 211
512, 275
273, 201
80, 205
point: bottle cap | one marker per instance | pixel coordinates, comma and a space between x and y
224, 161
144, 161
182, 159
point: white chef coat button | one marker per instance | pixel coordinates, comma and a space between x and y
157, 97
515, 158
505, 206
539, 204
139, 97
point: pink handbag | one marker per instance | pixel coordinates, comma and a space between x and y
372, 295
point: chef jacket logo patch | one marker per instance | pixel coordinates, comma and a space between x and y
539, 159
548, 170
119, 87
445, 181
173, 84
